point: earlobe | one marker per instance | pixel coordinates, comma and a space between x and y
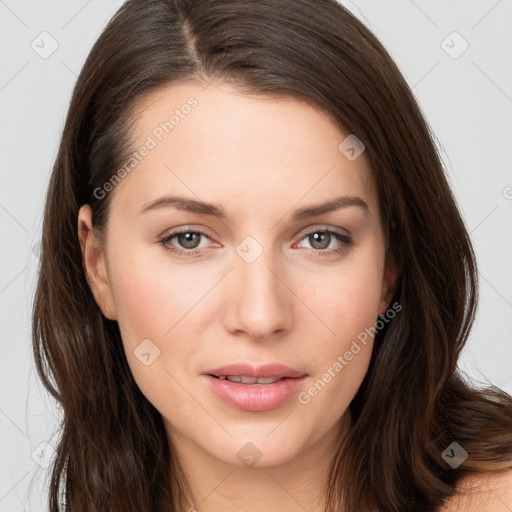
94, 263
389, 282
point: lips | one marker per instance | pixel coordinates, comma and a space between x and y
254, 389
265, 371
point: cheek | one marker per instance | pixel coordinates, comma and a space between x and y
346, 298
348, 305
152, 294
153, 301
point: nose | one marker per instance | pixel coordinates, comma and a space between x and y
259, 303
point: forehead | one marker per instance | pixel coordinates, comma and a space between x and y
217, 143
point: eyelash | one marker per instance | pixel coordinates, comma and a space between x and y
346, 242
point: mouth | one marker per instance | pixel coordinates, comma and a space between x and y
250, 380
254, 389
246, 373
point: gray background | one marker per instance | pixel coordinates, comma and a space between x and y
466, 98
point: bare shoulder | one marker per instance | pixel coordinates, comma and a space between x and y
485, 492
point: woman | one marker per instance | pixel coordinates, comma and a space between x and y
247, 299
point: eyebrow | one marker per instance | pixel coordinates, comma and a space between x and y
215, 210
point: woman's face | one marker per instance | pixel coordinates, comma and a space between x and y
269, 280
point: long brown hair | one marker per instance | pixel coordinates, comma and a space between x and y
113, 453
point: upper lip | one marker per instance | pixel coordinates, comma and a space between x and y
258, 372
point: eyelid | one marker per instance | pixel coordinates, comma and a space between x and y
319, 228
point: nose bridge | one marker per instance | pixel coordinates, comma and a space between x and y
259, 302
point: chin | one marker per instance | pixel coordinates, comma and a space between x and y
259, 447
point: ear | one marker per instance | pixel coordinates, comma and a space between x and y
389, 282
94, 263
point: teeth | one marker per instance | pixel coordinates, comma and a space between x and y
250, 380
268, 380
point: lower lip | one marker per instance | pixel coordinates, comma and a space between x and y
255, 397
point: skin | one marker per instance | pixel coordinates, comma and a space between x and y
483, 492
260, 158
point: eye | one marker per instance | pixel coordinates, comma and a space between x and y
188, 240
321, 239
